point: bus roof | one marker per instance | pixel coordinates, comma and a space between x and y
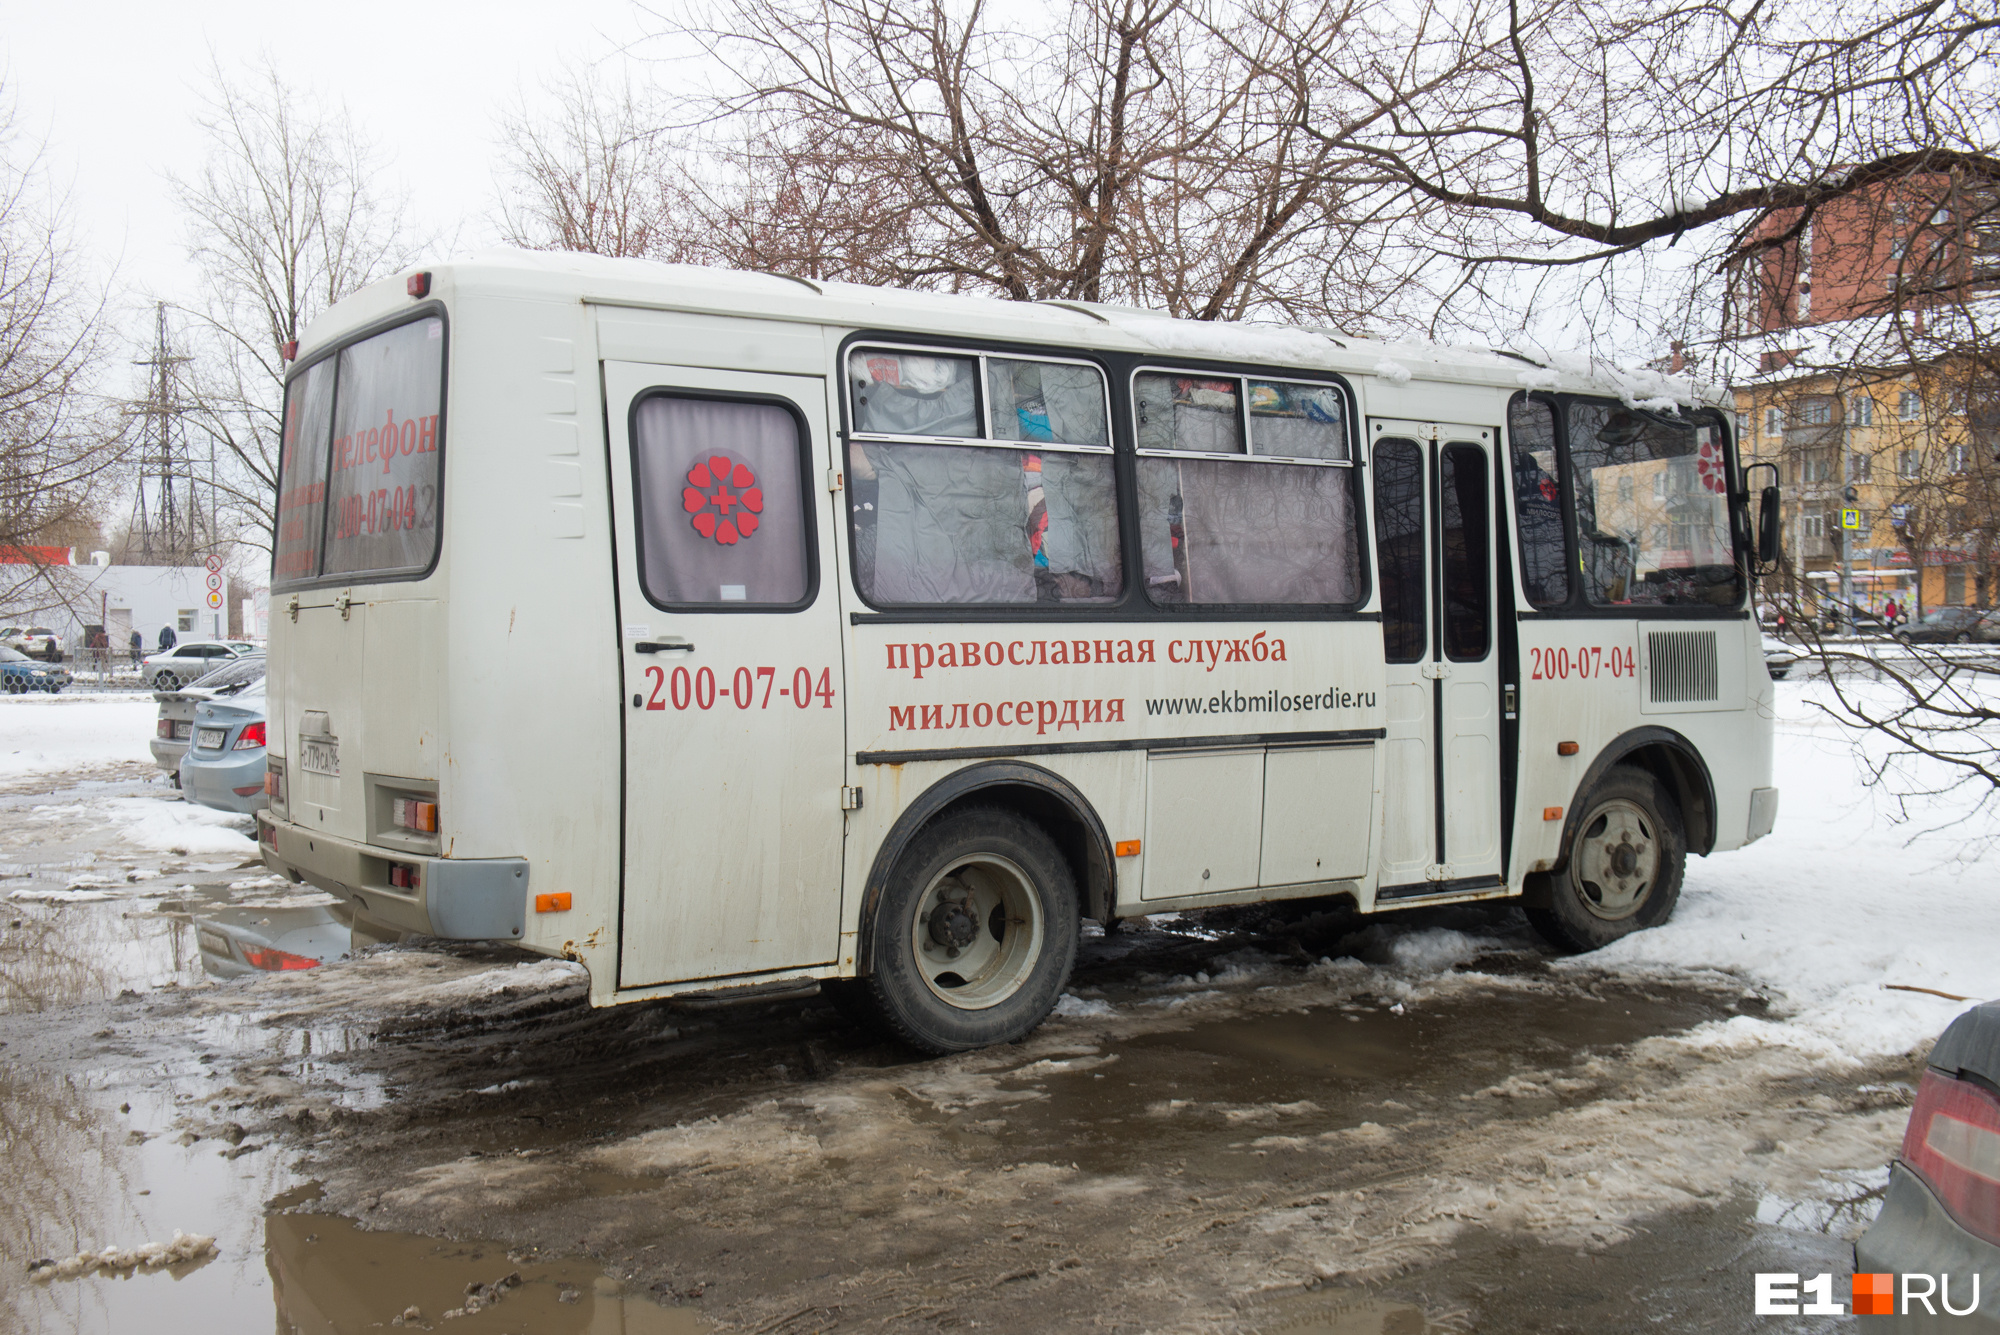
649, 285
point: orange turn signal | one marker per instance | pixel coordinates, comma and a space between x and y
1552, 813
1565, 748
555, 903
1128, 848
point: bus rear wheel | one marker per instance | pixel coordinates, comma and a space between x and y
975, 933
1624, 870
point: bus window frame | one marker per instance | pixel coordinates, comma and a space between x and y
1579, 607
807, 492
432, 309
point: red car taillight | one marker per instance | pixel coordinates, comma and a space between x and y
1953, 1141
166, 728
275, 959
252, 738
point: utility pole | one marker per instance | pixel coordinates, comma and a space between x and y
167, 526
1847, 500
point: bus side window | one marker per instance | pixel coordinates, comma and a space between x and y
973, 518
1399, 546
1277, 526
1545, 564
722, 517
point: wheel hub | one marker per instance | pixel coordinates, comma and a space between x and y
1616, 861
952, 924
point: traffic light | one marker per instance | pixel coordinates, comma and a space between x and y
1851, 495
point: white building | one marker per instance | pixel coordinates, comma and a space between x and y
67, 598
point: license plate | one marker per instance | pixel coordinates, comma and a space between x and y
214, 943
320, 755
181, 731
210, 739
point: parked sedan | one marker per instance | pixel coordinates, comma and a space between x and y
1778, 657
23, 673
1941, 1219
187, 662
175, 725
1953, 625
224, 764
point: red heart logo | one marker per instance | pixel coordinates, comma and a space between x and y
725, 533
747, 523
753, 500
698, 476
692, 499
704, 524
720, 468
743, 477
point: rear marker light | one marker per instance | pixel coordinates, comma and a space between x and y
1565, 748
419, 285
1552, 813
1953, 1141
410, 814
251, 791
1128, 848
402, 877
252, 738
555, 903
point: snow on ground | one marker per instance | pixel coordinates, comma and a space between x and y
168, 826
1838, 903
56, 734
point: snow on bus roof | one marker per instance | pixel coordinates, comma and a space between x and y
604, 280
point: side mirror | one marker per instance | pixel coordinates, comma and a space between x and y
1770, 524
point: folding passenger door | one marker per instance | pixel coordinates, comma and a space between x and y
732, 686
1434, 555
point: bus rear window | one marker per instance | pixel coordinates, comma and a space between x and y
358, 488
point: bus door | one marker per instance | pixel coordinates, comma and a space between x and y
729, 639
1434, 552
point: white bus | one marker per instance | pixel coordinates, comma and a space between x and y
730, 632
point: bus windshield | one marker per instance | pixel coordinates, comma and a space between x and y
1652, 508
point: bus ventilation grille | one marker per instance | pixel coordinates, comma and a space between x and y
1681, 666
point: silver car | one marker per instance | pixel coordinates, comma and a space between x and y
224, 764
190, 661
176, 721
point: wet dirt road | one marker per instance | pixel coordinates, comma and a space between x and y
1239, 1123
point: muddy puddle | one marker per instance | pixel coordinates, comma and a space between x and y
93, 1163
1219, 1092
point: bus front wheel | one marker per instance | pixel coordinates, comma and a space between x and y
1624, 870
975, 933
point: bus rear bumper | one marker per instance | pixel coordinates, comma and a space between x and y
464, 899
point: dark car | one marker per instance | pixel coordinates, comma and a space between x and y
1940, 1223
1953, 625
22, 673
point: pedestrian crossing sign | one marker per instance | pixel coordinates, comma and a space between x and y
1850, 519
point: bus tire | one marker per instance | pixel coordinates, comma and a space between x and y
975, 933
1624, 871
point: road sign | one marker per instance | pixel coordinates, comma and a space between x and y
214, 563
1850, 519
214, 582
214, 598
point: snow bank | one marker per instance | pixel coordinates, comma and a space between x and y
170, 826
52, 734
1837, 909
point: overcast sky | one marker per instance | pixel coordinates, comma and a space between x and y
114, 87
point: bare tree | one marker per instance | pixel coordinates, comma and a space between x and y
57, 440
288, 215
590, 170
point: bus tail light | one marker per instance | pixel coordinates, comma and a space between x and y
274, 780
410, 813
1953, 1142
252, 738
402, 875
